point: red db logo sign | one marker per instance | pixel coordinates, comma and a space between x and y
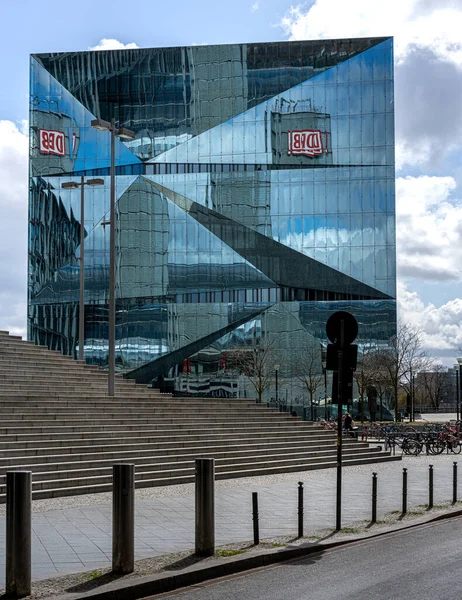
308, 142
52, 142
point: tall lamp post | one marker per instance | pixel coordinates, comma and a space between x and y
276, 371
458, 368
125, 134
72, 185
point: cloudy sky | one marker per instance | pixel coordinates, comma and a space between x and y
428, 92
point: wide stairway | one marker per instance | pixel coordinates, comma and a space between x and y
59, 423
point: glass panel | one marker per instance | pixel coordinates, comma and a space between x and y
252, 168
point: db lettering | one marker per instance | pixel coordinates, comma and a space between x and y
308, 142
52, 142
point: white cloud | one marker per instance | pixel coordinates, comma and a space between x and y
14, 151
413, 22
112, 44
429, 232
428, 52
441, 326
255, 6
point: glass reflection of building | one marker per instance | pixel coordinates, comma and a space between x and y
257, 199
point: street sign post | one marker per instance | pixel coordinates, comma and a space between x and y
341, 329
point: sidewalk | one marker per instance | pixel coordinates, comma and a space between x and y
74, 534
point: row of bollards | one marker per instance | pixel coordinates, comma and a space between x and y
18, 518
404, 492
255, 515
19, 522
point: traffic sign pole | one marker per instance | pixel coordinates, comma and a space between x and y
338, 520
341, 329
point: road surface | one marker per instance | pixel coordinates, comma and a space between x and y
422, 563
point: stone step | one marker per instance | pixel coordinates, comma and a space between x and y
183, 421
127, 406
91, 394
73, 367
50, 462
57, 373
27, 346
25, 358
160, 479
28, 385
151, 409
225, 428
52, 379
58, 421
30, 352
98, 444
153, 412
168, 463
94, 489
102, 400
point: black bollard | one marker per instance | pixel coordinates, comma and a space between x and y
123, 518
454, 483
404, 511
374, 498
205, 506
430, 486
18, 533
256, 528
300, 509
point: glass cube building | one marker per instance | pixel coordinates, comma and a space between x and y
256, 199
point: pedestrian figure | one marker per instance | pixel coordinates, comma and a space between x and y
347, 422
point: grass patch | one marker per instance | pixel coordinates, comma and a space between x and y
227, 553
415, 513
315, 537
349, 530
95, 574
277, 545
395, 512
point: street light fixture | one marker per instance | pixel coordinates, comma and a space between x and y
73, 185
125, 134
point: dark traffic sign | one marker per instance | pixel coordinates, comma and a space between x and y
334, 324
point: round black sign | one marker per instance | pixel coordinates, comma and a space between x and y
334, 324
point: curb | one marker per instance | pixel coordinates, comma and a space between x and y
151, 585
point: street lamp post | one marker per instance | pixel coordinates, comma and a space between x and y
458, 385
276, 371
412, 415
457, 370
72, 185
457, 393
126, 134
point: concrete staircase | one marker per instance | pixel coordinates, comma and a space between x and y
58, 421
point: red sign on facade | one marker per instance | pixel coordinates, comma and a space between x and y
308, 142
52, 142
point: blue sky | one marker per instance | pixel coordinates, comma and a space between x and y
428, 76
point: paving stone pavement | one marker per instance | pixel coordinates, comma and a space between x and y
78, 538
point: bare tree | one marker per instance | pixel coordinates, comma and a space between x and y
403, 358
307, 368
436, 385
257, 363
365, 376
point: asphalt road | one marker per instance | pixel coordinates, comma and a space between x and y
423, 563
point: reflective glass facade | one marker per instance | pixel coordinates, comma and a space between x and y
256, 199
